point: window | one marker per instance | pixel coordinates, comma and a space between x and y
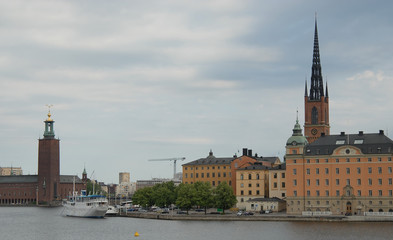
359, 182
308, 171
294, 182
219, 174
294, 160
316, 160
308, 182
337, 160
380, 193
390, 181
317, 171
358, 160
242, 185
257, 192
294, 171
207, 174
358, 170
348, 160
282, 175
348, 182
337, 193
295, 193
337, 171
283, 184
214, 174
224, 174
369, 159
249, 176
241, 192
348, 170
380, 181
249, 192
379, 170
249, 185
317, 182
186, 175
257, 175
390, 193
314, 116
358, 141
370, 181
192, 175
327, 182
340, 142
326, 160
275, 185
327, 193
308, 160
326, 170
379, 159
337, 182
241, 177
202, 175
389, 159
275, 175
318, 193
294, 151
308, 193
389, 169
370, 193
359, 193
370, 170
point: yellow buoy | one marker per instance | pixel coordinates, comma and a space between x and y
136, 234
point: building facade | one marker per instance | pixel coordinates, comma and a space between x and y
277, 182
342, 174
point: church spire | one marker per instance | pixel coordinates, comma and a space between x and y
316, 90
49, 131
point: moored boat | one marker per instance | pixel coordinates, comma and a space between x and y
112, 210
89, 206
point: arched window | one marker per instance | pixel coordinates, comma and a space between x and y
380, 210
314, 116
249, 176
371, 210
257, 175
241, 177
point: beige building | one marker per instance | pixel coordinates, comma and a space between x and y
251, 182
8, 171
277, 182
124, 177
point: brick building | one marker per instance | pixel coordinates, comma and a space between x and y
46, 188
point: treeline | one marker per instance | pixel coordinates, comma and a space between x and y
186, 196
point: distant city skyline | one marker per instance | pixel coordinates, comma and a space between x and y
133, 81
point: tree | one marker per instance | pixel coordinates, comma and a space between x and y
224, 197
164, 194
186, 195
143, 197
97, 188
204, 195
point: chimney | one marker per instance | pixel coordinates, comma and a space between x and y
244, 151
360, 133
342, 134
381, 132
256, 155
250, 152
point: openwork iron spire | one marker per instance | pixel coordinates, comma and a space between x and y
316, 89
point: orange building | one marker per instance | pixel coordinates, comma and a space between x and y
341, 174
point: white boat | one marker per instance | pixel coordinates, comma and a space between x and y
89, 206
112, 210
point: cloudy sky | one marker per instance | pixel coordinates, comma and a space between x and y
138, 80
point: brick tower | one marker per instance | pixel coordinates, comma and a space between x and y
48, 165
316, 105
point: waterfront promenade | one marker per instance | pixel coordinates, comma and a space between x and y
230, 216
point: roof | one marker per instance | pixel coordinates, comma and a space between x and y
275, 199
19, 179
280, 167
70, 179
255, 167
370, 143
211, 160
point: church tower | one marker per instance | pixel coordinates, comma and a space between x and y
48, 165
316, 105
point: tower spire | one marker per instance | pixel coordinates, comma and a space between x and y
316, 90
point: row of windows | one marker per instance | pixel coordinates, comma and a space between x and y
348, 182
379, 170
338, 203
208, 167
250, 192
213, 183
202, 175
348, 193
282, 185
16, 194
249, 176
249, 185
282, 175
337, 160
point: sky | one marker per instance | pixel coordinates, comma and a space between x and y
137, 80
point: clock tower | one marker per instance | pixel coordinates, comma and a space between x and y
316, 104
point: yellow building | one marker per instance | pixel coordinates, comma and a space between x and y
277, 182
210, 169
251, 182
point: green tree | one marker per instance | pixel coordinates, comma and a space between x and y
164, 194
96, 190
186, 196
224, 197
204, 195
143, 197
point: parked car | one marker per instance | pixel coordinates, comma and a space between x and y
239, 213
248, 213
181, 212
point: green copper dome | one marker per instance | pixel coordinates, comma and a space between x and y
297, 137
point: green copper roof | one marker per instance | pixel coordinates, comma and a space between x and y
297, 137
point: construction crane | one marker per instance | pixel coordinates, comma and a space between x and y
174, 163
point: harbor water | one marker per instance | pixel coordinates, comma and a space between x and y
48, 223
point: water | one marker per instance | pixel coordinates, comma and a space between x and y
47, 223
